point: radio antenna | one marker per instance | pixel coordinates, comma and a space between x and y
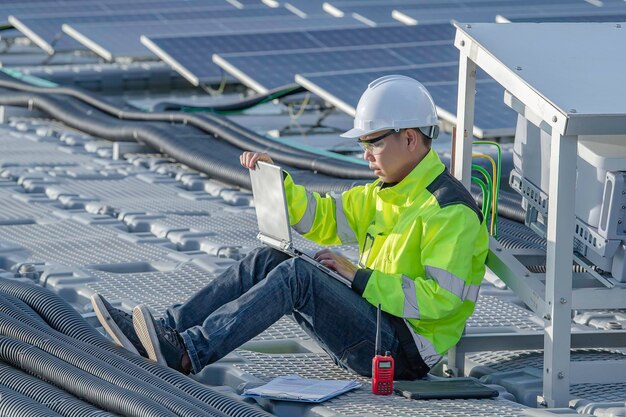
378, 349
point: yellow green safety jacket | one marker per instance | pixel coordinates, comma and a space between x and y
422, 245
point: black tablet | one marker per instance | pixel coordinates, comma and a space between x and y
453, 388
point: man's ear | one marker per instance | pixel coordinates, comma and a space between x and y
412, 139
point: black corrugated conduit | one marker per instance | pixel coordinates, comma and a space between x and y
79, 383
91, 365
210, 123
22, 307
213, 157
249, 102
46, 394
14, 404
99, 362
63, 318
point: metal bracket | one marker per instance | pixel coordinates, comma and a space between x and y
582, 261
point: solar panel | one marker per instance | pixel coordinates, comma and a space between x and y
375, 14
263, 71
190, 56
45, 30
52, 8
344, 88
579, 18
114, 40
475, 14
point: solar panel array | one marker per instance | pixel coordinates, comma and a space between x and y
117, 40
46, 31
488, 12
190, 53
266, 43
344, 88
264, 71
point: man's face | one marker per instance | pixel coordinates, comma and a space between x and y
389, 157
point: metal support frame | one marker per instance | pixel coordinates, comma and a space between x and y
481, 342
558, 296
552, 301
465, 118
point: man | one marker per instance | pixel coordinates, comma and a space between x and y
422, 244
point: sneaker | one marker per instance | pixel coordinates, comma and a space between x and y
118, 324
163, 344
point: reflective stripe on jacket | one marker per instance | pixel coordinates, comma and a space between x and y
422, 245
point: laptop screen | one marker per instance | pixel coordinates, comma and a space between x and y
270, 202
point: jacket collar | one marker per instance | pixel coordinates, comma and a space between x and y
418, 179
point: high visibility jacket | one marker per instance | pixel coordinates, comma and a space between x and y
422, 245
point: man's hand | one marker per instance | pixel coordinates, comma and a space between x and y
337, 263
249, 159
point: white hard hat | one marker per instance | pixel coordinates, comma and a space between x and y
394, 102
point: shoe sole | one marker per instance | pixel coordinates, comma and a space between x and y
144, 326
109, 324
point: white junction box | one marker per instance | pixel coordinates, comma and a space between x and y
600, 199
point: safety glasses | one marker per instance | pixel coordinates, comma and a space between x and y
375, 145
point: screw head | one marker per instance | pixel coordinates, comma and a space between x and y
554, 119
573, 111
468, 26
560, 375
462, 43
563, 300
518, 68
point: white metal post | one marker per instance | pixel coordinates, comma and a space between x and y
558, 297
465, 120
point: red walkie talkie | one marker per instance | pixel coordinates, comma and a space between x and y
382, 366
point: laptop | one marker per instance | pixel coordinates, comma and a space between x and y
273, 218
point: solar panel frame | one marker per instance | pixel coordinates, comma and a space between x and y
172, 49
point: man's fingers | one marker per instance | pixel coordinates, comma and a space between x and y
329, 263
249, 159
323, 254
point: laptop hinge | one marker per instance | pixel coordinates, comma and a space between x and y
275, 243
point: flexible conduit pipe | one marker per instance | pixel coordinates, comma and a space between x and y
224, 127
63, 318
103, 394
13, 404
278, 92
93, 366
37, 334
193, 151
50, 396
22, 307
212, 124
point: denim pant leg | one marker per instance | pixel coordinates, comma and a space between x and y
226, 287
342, 321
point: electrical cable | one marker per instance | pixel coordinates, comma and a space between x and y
485, 201
493, 165
497, 178
489, 188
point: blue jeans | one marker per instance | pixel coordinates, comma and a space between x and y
264, 286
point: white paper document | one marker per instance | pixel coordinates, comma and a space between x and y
295, 388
